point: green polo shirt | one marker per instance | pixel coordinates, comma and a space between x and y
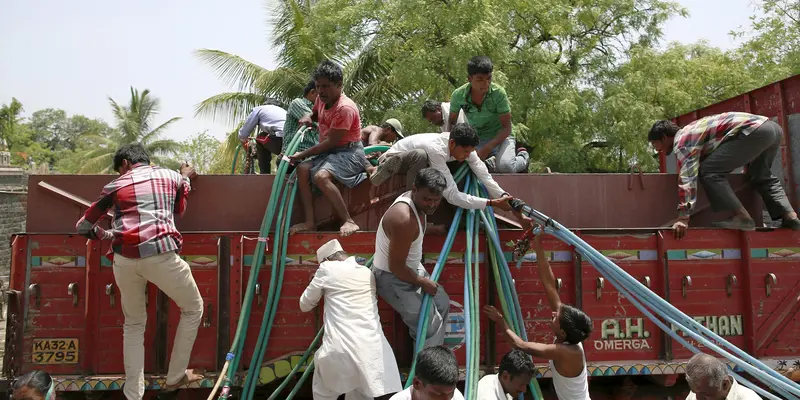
486, 119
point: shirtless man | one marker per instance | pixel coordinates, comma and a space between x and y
399, 274
570, 326
389, 132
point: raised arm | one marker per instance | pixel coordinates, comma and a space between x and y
546, 275
541, 350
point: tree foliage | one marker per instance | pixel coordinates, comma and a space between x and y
133, 125
201, 151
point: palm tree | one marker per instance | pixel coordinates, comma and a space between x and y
133, 125
301, 49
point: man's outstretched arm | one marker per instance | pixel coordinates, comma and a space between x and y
546, 275
541, 350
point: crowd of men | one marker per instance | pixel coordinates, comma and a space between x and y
355, 358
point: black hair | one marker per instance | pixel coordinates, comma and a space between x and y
430, 178
387, 125
662, 128
479, 65
32, 386
437, 365
464, 135
134, 153
575, 323
271, 101
328, 69
517, 363
430, 106
311, 85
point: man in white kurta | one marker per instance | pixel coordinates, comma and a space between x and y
355, 357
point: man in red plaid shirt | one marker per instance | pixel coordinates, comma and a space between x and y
709, 149
144, 246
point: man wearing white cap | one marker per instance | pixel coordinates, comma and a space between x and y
389, 132
355, 357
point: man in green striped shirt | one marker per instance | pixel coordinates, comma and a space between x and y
299, 108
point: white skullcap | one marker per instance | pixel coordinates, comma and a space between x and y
328, 249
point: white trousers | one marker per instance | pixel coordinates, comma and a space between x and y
174, 277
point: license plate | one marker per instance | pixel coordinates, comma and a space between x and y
55, 351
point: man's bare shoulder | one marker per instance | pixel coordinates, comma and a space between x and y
400, 217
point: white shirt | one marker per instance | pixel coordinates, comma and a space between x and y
446, 117
738, 392
406, 395
267, 118
436, 147
489, 388
354, 354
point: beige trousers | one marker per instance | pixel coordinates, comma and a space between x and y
174, 277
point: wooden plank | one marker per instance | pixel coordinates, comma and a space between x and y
69, 196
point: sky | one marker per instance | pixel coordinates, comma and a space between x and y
74, 55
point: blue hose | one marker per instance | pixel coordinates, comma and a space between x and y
608, 268
612, 276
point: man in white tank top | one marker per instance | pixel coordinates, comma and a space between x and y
399, 274
570, 326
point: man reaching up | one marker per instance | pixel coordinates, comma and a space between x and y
570, 326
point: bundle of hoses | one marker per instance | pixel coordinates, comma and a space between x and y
505, 287
653, 306
278, 264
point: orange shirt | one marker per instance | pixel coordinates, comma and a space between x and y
342, 115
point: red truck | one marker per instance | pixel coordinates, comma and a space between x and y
64, 314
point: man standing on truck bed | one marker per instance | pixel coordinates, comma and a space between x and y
338, 156
487, 109
710, 148
144, 246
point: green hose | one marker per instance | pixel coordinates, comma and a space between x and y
276, 282
235, 158
297, 366
234, 355
302, 380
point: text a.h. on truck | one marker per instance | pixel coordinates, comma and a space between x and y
64, 311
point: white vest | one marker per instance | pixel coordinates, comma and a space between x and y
576, 388
414, 259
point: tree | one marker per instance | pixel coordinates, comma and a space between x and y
201, 151
25, 152
397, 53
772, 49
9, 121
133, 123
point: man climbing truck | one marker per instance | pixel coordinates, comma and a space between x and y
144, 246
709, 149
